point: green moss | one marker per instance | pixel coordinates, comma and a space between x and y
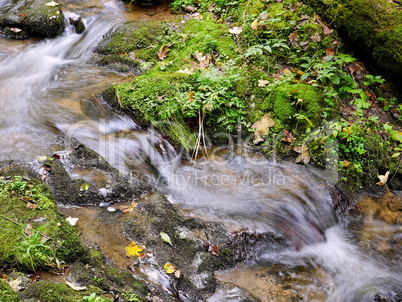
45, 291
137, 38
7, 294
287, 100
34, 234
374, 24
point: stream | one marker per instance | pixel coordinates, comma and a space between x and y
45, 86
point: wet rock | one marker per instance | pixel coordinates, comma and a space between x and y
189, 8
76, 167
34, 18
388, 207
38, 237
77, 22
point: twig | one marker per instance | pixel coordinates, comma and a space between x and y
9, 219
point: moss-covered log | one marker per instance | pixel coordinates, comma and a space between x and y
26, 18
374, 28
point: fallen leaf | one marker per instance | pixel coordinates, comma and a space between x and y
15, 284
288, 136
84, 187
170, 268
28, 229
196, 16
52, 3
236, 30
262, 83
304, 154
163, 52
254, 24
293, 36
383, 179
16, 29
31, 205
165, 237
126, 209
326, 30
75, 286
316, 37
262, 127
177, 274
346, 163
71, 220
330, 52
215, 250
264, 15
133, 249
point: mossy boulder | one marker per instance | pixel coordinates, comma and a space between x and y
25, 18
373, 28
45, 291
7, 294
34, 234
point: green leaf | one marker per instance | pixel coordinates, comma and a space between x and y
165, 237
84, 187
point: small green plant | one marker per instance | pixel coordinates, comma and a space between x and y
35, 253
129, 296
94, 298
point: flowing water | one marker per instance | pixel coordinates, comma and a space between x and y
44, 88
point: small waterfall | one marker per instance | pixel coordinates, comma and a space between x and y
256, 194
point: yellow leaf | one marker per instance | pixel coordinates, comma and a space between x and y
254, 24
170, 268
346, 163
133, 249
383, 179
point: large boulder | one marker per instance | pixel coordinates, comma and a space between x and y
26, 18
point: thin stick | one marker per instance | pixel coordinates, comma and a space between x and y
13, 221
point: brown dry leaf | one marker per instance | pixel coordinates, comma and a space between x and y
293, 39
304, 154
383, 179
215, 250
262, 128
15, 284
254, 24
163, 52
262, 83
28, 229
316, 37
288, 136
126, 209
264, 16
293, 36
31, 205
330, 52
326, 30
